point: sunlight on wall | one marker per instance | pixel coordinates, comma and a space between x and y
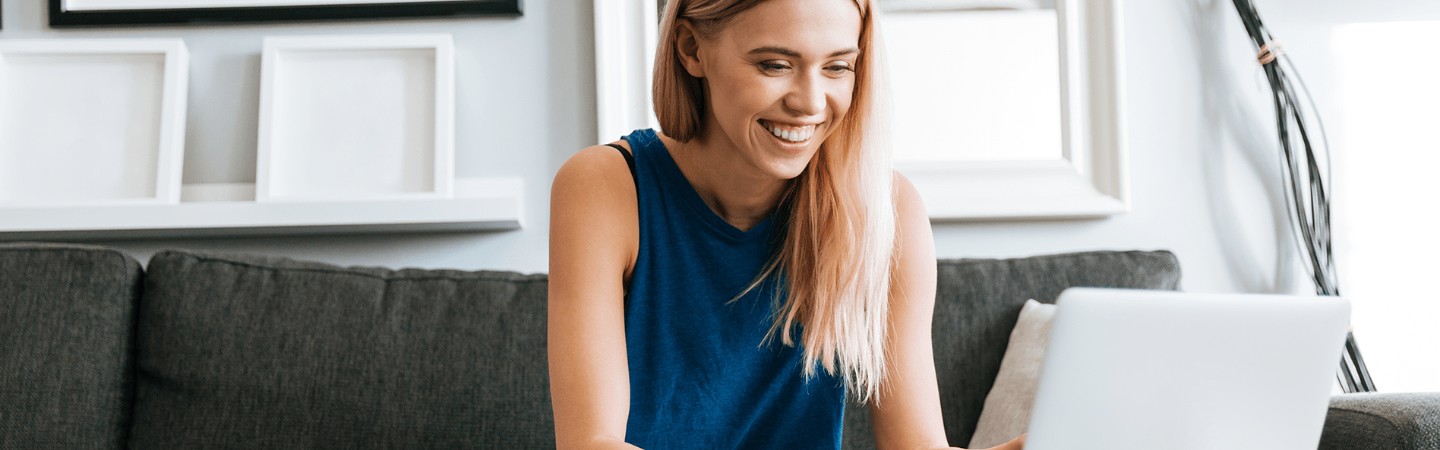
975, 85
1387, 157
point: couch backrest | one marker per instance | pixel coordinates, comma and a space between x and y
66, 336
978, 302
264, 352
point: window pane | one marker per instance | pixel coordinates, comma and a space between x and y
975, 85
1385, 187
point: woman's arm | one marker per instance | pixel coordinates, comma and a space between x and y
593, 243
908, 415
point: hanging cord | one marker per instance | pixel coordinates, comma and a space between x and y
1306, 198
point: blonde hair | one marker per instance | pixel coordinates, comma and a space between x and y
838, 250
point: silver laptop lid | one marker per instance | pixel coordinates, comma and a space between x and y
1133, 370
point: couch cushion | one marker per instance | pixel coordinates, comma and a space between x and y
977, 303
1382, 421
263, 352
66, 340
1008, 404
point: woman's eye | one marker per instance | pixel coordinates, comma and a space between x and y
839, 69
773, 67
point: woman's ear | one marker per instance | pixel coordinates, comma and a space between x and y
687, 43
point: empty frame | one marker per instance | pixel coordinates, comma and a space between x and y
356, 118
91, 121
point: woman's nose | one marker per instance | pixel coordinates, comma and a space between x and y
807, 97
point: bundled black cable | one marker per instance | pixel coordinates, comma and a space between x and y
1305, 195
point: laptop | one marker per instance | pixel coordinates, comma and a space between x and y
1161, 370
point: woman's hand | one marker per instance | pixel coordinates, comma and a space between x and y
1015, 444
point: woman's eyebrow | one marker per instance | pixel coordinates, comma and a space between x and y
794, 54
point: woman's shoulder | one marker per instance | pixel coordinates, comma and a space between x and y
596, 182
597, 166
905, 195
911, 218
593, 204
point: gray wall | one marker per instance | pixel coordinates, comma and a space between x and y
1203, 167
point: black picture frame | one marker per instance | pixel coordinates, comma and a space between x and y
338, 10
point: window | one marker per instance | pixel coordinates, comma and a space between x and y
1386, 154
974, 84
1008, 109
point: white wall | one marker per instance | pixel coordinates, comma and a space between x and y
1203, 167
1203, 174
1204, 161
1385, 153
525, 95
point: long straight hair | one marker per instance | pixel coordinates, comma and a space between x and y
838, 250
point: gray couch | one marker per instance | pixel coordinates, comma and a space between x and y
203, 350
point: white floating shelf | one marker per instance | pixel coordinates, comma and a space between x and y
479, 205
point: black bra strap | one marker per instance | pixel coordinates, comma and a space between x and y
629, 160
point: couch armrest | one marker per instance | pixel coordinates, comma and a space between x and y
1401, 421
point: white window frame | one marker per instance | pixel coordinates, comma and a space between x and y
1089, 180
625, 38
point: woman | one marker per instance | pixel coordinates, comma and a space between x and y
728, 281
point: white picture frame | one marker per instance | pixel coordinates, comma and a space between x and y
87, 122
356, 118
1089, 180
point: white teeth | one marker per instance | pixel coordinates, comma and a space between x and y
801, 134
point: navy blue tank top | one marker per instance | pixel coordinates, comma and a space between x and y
699, 376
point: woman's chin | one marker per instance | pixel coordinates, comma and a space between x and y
788, 170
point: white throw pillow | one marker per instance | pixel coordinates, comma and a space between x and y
1007, 406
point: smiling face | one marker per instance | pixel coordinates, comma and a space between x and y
778, 78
